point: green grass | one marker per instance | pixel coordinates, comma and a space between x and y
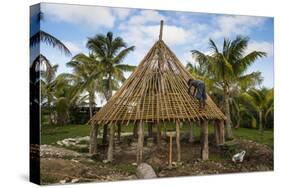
255, 135
125, 168
51, 134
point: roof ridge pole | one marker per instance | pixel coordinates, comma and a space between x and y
161, 29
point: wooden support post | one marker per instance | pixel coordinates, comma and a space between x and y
178, 140
221, 131
217, 132
161, 29
104, 136
191, 136
140, 143
94, 140
149, 129
159, 136
170, 151
135, 130
111, 143
118, 132
204, 140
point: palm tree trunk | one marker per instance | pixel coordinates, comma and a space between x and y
238, 123
94, 140
111, 143
260, 122
227, 113
94, 132
90, 105
109, 89
49, 110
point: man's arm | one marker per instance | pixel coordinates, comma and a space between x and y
194, 90
189, 88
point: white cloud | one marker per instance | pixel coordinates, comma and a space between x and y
74, 48
146, 16
235, 25
142, 30
173, 35
261, 46
122, 13
91, 16
144, 36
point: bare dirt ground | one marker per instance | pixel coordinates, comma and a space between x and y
61, 165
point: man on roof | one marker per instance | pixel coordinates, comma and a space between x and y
199, 89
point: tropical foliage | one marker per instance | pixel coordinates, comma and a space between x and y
226, 76
99, 72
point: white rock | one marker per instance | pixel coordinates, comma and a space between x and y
127, 134
75, 180
105, 161
81, 146
62, 181
59, 143
134, 164
85, 138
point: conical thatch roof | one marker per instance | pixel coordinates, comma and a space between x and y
156, 91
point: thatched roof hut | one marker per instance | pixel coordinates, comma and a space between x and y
155, 92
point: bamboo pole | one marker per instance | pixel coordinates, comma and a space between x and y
204, 140
178, 140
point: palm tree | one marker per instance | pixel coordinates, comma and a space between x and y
229, 66
197, 71
42, 36
110, 52
48, 83
67, 96
87, 76
261, 101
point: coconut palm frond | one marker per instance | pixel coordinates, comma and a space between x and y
42, 36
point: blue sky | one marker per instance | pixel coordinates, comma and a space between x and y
183, 31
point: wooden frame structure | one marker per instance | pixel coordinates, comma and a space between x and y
156, 92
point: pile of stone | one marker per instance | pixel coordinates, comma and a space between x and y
78, 142
48, 151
